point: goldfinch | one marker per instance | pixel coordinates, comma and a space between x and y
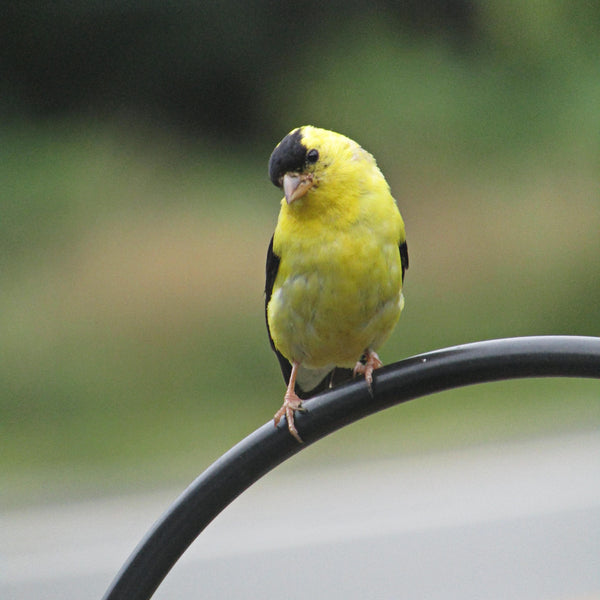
335, 264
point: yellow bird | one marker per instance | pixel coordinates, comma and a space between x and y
335, 264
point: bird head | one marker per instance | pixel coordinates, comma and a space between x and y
309, 157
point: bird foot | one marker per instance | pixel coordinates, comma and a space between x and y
291, 404
373, 362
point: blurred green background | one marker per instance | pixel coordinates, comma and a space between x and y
136, 212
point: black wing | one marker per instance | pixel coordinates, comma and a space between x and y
334, 377
403, 258
271, 273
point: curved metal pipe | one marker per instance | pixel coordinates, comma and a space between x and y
267, 447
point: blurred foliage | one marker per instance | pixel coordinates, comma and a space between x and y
209, 68
201, 65
136, 212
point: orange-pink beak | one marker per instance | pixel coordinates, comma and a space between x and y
295, 185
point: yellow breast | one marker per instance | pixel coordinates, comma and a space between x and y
338, 290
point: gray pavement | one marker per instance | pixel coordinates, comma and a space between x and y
520, 520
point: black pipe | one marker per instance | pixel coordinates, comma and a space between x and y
261, 451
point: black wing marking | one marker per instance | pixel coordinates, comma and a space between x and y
271, 273
404, 258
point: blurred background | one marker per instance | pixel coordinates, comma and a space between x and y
135, 217
136, 213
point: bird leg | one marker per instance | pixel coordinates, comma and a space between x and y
372, 362
291, 403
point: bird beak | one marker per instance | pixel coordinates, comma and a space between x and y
295, 185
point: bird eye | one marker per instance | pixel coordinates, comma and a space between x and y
312, 156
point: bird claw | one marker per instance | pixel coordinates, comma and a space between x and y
291, 404
372, 362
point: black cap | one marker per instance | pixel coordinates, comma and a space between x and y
288, 156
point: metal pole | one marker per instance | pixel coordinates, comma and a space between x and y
267, 447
